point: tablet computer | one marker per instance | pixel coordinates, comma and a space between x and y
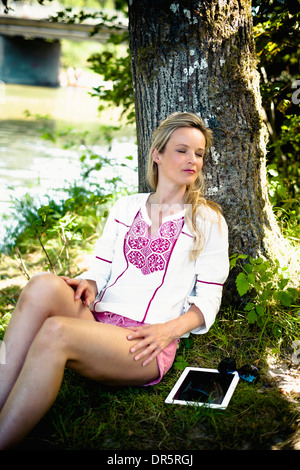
203, 387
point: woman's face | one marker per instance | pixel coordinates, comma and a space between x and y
182, 159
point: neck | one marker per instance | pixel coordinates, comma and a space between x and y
170, 196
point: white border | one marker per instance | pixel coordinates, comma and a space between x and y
221, 406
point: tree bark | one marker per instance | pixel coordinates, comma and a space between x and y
200, 56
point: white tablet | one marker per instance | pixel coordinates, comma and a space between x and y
203, 387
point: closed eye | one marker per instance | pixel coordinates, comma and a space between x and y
199, 155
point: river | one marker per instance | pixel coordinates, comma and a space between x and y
29, 163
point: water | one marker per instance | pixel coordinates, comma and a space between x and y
29, 163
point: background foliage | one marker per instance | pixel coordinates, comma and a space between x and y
276, 29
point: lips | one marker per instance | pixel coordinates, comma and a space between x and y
190, 171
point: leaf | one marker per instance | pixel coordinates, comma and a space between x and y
248, 268
30, 232
285, 298
180, 363
251, 279
234, 258
252, 317
233, 261
242, 284
249, 306
282, 283
265, 277
260, 310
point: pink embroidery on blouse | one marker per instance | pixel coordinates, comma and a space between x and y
150, 254
207, 282
103, 259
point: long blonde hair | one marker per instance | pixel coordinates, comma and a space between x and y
194, 196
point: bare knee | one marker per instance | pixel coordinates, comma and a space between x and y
43, 289
42, 281
47, 295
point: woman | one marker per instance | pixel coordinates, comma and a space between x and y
157, 275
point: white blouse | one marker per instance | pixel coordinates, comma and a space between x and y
152, 279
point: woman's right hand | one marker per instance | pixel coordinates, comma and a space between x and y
86, 290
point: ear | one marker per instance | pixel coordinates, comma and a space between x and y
156, 155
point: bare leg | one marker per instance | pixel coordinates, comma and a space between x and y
97, 351
44, 296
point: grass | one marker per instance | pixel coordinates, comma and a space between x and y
127, 419
89, 416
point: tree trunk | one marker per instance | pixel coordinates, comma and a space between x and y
200, 56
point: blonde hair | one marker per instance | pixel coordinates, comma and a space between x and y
194, 197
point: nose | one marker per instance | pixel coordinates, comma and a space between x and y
192, 157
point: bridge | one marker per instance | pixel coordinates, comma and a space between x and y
30, 44
45, 29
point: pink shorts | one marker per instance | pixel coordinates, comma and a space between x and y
165, 358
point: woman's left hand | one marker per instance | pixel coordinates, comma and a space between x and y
154, 338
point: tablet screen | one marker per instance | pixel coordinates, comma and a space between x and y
200, 387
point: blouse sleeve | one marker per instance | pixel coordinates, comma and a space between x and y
100, 268
212, 269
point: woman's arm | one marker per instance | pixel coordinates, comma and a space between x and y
211, 268
187, 322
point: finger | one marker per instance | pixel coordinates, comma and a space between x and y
151, 356
137, 332
143, 349
71, 282
136, 347
144, 343
81, 287
85, 293
89, 298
